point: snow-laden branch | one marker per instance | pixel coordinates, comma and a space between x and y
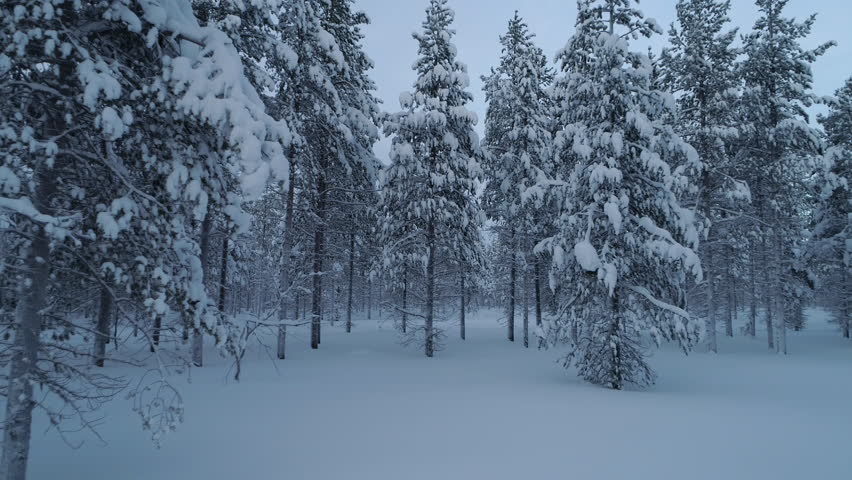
659, 303
25, 207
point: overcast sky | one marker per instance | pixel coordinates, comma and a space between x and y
479, 23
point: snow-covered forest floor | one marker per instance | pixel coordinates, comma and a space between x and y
364, 407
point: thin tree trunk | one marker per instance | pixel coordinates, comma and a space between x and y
462, 306
770, 334
711, 302
197, 333
617, 374
752, 319
430, 291
538, 291
512, 280
102, 328
284, 300
405, 300
845, 298
319, 246
729, 312
381, 298
526, 309
351, 280
223, 273
369, 299
155, 335
780, 309
735, 299
115, 318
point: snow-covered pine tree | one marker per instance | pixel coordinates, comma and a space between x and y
830, 244
624, 248
778, 146
518, 140
117, 119
429, 213
699, 68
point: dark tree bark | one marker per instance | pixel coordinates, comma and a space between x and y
197, 333
369, 299
102, 327
752, 319
538, 292
351, 280
405, 300
430, 291
28, 318
512, 287
284, 301
319, 251
462, 306
729, 307
155, 335
526, 310
223, 273
845, 300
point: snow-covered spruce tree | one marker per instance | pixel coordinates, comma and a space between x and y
699, 68
517, 139
830, 246
111, 116
777, 149
330, 91
624, 247
429, 213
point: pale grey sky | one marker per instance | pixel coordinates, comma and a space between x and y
479, 23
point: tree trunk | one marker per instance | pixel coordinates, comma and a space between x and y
351, 281
115, 318
284, 300
155, 335
24, 353
711, 302
223, 273
462, 306
538, 291
102, 328
526, 309
729, 311
752, 319
319, 246
369, 299
430, 291
197, 333
735, 299
770, 334
779, 292
617, 373
845, 298
512, 280
405, 300
770, 296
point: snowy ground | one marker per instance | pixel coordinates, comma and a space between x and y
364, 407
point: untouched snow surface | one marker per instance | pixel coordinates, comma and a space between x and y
363, 407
